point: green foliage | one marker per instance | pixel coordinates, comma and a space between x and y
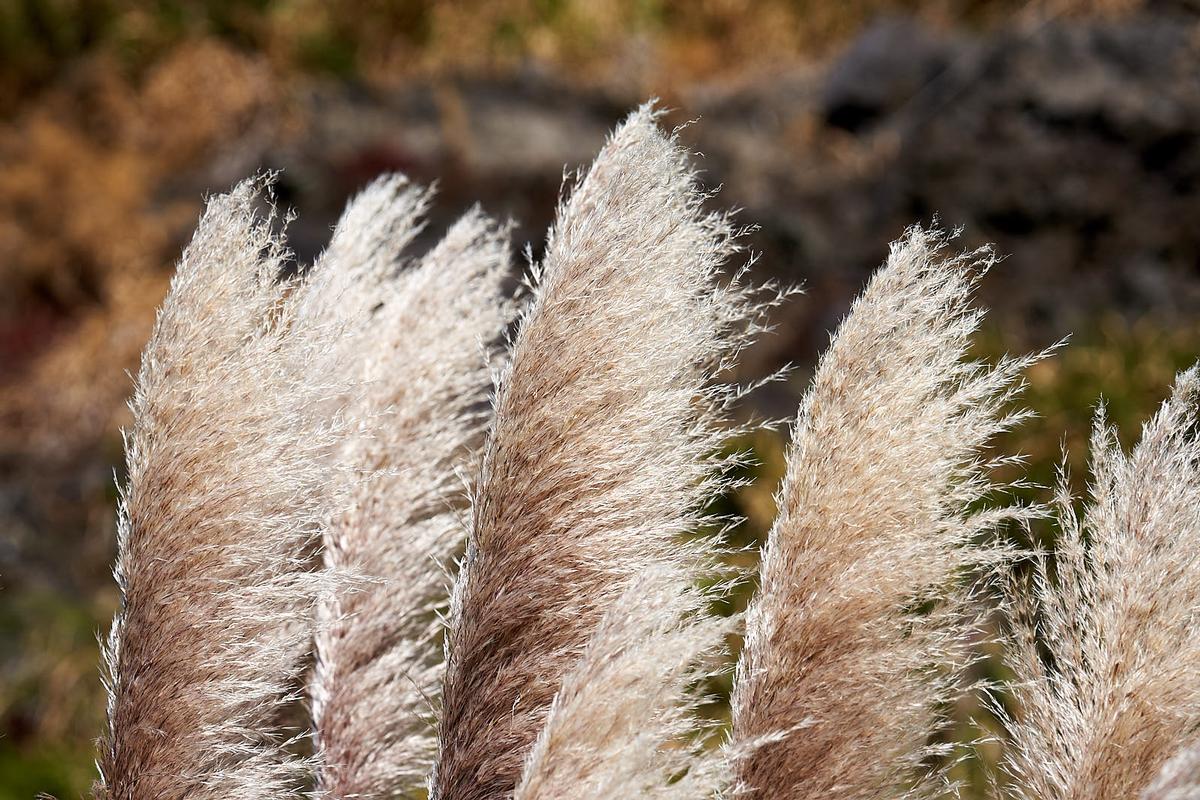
50, 700
60, 772
1129, 366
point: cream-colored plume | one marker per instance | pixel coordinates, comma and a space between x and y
1179, 779
414, 355
227, 457
861, 621
623, 723
1107, 636
601, 457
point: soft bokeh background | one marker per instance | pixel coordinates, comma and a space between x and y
1068, 133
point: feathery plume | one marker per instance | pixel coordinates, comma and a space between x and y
600, 456
627, 697
415, 352
223, 500
859, 624
1116, 616
1179, 779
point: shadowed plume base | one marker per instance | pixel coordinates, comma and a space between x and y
469, 534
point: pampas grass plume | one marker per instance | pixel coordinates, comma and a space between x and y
1115, 612
600, 458
226, 460
860, 624
415, 362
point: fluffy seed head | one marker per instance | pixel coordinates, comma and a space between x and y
414, 353
623, 723
1116, 614
226, 462
599, 459
860, 623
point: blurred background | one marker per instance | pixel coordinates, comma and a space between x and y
1068, 133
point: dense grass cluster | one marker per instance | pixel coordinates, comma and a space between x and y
294, 491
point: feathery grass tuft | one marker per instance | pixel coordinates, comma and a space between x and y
601, 456
1179, 779
227, 457
624, 724
416, 352
1107, 636
861, 623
